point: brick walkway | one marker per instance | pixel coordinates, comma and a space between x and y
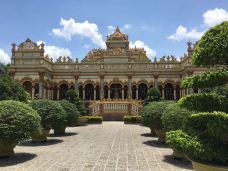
109, 146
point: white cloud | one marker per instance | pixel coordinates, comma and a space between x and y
127, 26
150, 52
55, 52
4, 57
214, 17
71, 28
183, 33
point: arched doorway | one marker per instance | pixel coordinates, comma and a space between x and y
80, 92
36, 90
55, 92
89, 92
116, 91
125, 92
169, 91
28, 87
142, 91
97, 93
106, 92
62, 91
134, 91
177, 92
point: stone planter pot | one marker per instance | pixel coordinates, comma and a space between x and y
6, 150
161, 135
177, 154
207, 167
60, 130
41, 137
81, 121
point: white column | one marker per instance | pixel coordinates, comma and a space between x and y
137, 93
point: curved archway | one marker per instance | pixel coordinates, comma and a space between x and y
177, 92
89, 92
28, 87
106, 92
116, 91
62, 91
169, 91
142, 91
80, 92
125, 92
134, 88
97, 92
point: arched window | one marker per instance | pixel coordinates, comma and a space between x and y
106, 92
134, 91
62, 91
116, 91
97, 93
169, 93
80, 90
55, 91
142, 90
28, 87
125, 92
89, 92
177, 92
36, 90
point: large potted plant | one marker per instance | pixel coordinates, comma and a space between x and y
18, 122
174, 118
203, 141
151, 117
52, 116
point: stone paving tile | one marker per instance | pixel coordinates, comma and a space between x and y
111, 146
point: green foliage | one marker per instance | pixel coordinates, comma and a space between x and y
72, 97
203, 138
151, 114
94, 119
51, 113
204, 102
132, 119
212, 49
153, 95
207, 79
11, 90
71, 111
174, 117
18, 121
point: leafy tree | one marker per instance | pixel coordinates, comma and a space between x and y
153, 95
72, 97
212, 49
11, 90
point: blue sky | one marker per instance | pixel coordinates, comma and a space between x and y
74, 27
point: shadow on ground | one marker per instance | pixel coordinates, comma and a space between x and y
16, 159
34, 144
156, 143
148, 135
182, 163
64, 135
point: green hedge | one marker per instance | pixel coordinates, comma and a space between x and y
18, 121
132, 119
94, 119
204, 138
204, 102
51, 112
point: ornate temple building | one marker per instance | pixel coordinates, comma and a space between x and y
117, 72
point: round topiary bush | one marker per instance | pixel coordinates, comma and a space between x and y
51, 112
18, 122
71, 111
204, 138
174, 117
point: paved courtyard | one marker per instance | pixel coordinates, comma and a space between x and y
108, 146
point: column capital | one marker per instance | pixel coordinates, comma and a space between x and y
156, 76
76, 77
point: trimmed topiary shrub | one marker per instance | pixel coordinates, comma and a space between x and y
18, 121
204, 102
71, 111
51, 112
174, 117
132, 119
151, 114
204, 138
94, 119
